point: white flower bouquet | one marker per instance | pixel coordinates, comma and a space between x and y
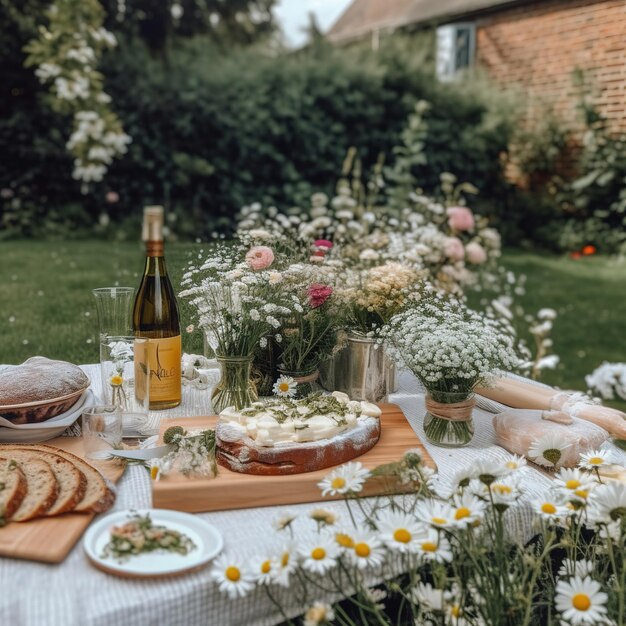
451, 350
237, 306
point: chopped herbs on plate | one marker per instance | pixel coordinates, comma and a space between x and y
140, 535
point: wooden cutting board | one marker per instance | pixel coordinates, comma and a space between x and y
232, 490
51, 539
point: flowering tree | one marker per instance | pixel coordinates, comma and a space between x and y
66, 54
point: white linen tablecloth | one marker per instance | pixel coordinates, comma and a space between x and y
74, 593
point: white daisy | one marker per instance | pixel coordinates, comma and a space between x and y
609, 502
574, 484
319, 554
505, 491
323, 516
487, 470
435, 513
344, 538
576, 568
435, 547
286, 563
595, 459
285, 387
368, 550
550, 508
462, 477
400, 532
513, 463
319, 613
232, 576
580, 600
547, 450
284, 521
467, 509
348, 478
424, 594
264, 568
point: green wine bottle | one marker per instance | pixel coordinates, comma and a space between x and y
155, 315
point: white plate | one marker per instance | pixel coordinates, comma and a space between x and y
35, 433
206, 537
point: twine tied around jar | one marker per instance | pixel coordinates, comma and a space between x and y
454, 412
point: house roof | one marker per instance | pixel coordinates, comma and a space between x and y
364, 16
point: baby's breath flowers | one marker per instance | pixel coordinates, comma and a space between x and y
451, 350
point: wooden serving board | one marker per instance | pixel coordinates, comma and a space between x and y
232, 490
51, 539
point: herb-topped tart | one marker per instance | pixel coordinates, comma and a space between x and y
284, 436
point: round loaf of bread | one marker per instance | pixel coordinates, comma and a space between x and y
40, 389
240, 453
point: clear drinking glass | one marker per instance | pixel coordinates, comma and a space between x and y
125, 374
114, 308
102, 431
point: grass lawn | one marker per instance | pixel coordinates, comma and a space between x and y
46, 305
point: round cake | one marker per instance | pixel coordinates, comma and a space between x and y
283, 436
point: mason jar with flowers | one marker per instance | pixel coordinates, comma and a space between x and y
237, 306
452, 350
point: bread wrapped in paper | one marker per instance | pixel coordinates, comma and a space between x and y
520, 394
517, 429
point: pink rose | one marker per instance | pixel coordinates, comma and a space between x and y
318, 294
259, 257
460, 218
323, 243
453, 248
475, 253
112, 197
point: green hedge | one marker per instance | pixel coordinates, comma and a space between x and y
212, 132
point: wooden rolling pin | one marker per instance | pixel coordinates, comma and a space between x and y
519, 394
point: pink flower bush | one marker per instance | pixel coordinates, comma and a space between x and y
259, 257
475, 253
460, 218
453, 249
318, 294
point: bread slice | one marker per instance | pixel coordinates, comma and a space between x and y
99, 496
13, 488
42, 490
71, 481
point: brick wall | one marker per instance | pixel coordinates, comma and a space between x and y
539, 45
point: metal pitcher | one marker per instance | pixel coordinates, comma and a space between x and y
362, 370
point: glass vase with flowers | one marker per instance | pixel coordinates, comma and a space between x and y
235, 300
452, 350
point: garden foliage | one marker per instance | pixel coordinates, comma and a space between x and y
212, 130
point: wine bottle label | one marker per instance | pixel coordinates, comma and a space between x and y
165, 369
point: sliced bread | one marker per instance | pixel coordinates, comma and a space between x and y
71, 481
13, 488
99, 496
42, 490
